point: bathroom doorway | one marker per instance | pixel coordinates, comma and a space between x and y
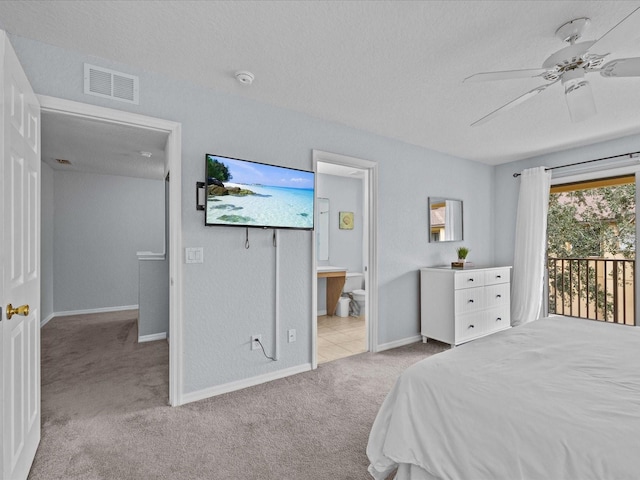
344, 282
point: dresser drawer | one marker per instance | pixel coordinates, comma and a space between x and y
469, 300
497, 319
497, 295
470, 326
497, 275
469, 280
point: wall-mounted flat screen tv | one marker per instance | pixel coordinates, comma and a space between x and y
244, 193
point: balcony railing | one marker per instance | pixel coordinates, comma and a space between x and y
595, 288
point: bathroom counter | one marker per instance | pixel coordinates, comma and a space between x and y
336, 277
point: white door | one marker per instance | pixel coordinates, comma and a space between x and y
19, 267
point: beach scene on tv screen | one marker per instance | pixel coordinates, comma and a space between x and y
243, 193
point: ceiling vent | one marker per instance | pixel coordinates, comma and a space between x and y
103, 82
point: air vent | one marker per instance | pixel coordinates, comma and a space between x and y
106, 83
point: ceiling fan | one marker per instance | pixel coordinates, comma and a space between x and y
570, 64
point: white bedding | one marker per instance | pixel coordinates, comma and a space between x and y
558, 398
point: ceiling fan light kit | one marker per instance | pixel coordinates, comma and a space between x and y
571, 63
579, 96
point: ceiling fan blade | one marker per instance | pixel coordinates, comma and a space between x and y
627, 30
621, 67
506, 75
513, 103
580, 100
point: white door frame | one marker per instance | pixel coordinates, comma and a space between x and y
173, 166
371, 226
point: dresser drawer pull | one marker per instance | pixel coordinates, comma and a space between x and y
471, 301
471, 279
498, 296
498, 276
498, 319
471, 326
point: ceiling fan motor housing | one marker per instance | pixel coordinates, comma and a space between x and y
573, 57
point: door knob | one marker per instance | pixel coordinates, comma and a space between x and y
21, 310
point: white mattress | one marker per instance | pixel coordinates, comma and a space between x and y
555, 399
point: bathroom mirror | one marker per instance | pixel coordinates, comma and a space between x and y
445, 220
322, 246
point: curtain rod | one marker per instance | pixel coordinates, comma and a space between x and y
630, 155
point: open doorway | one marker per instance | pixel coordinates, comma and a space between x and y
122, 145
345, 285
591, 249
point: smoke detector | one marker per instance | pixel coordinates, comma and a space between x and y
244, 77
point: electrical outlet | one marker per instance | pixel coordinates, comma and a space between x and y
255, 339
292, 335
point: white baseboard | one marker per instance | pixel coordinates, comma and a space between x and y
152, 338
322, 312
95, 310
399, 343
244, 383
43, 322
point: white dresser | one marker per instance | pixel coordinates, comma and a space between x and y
459, 305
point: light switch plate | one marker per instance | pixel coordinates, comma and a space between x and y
193, 255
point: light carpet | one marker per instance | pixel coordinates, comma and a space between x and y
105, 413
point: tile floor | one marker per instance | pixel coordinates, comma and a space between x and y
340, 337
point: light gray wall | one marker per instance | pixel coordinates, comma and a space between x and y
231, 295
508, 188
100, 222
153, 297
345, 246
46, 242
345, 195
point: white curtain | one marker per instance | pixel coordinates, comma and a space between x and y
531, 240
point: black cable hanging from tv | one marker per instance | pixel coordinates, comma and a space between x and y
630, 155
246, 242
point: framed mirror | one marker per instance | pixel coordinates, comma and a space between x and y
322, 247
445, 220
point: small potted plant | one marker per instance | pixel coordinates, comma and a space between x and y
462, 254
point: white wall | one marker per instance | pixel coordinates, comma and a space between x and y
99, 223
46, 243
231, 295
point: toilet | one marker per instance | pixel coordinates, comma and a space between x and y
359, 296
354, 284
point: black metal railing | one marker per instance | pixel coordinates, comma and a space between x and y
595, 288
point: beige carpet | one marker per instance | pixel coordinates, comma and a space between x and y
104, 412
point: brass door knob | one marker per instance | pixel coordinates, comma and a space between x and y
21, 310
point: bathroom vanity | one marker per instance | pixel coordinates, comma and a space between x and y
458, 305
335, 283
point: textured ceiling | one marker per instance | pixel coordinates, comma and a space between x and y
101, 147
392, 68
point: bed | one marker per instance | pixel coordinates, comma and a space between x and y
558, 398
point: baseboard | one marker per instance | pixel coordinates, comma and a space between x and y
399, 343
152, 338
322, 312
95, 310
46, 320
244, 383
